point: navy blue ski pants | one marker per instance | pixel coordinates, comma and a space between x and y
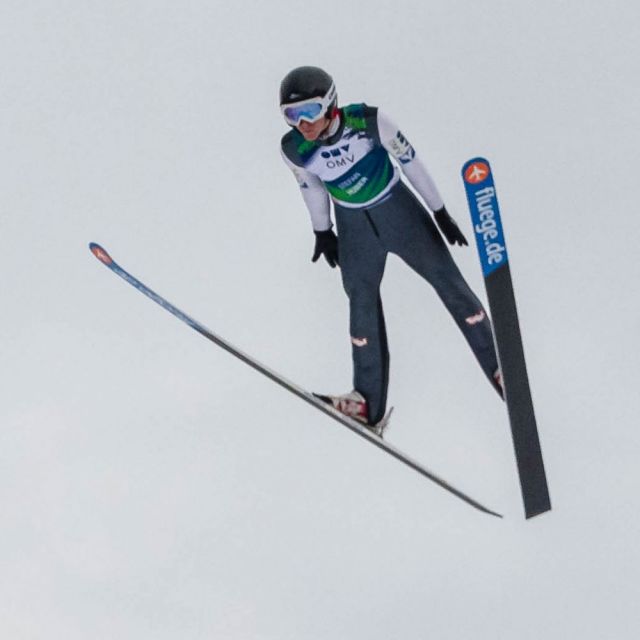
399, 224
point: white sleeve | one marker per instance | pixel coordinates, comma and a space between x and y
399, 147
314, 194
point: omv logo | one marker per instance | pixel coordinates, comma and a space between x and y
338, 157
335, 153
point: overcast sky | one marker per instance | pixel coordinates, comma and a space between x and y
151, 486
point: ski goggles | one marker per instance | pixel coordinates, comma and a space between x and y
310, 110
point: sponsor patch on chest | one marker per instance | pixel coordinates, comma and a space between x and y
335, 160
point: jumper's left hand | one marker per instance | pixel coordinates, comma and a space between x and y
449, 228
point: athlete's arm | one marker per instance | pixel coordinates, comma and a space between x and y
314, 194
399, 148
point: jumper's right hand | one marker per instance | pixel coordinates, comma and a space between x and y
327, 245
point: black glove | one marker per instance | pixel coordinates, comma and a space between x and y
327, 244
449, 227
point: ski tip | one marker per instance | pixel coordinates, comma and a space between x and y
476, 170
100, 253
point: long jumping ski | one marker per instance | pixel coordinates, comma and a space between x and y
308, 397
487, 225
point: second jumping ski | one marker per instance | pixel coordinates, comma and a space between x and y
492, 249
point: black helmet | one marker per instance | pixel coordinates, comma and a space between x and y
304, 83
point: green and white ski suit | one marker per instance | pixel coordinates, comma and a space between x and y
358, 167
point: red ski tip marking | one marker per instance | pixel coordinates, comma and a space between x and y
477, 172
100, 253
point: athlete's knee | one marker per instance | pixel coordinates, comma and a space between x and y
462, 303
363, 296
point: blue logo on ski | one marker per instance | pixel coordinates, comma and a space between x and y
485, 214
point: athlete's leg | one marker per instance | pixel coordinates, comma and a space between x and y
410, 232
362, 261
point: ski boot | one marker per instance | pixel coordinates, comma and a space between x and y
353, 405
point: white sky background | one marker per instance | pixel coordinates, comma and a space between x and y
151, 486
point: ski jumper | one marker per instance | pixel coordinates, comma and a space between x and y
376, 213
